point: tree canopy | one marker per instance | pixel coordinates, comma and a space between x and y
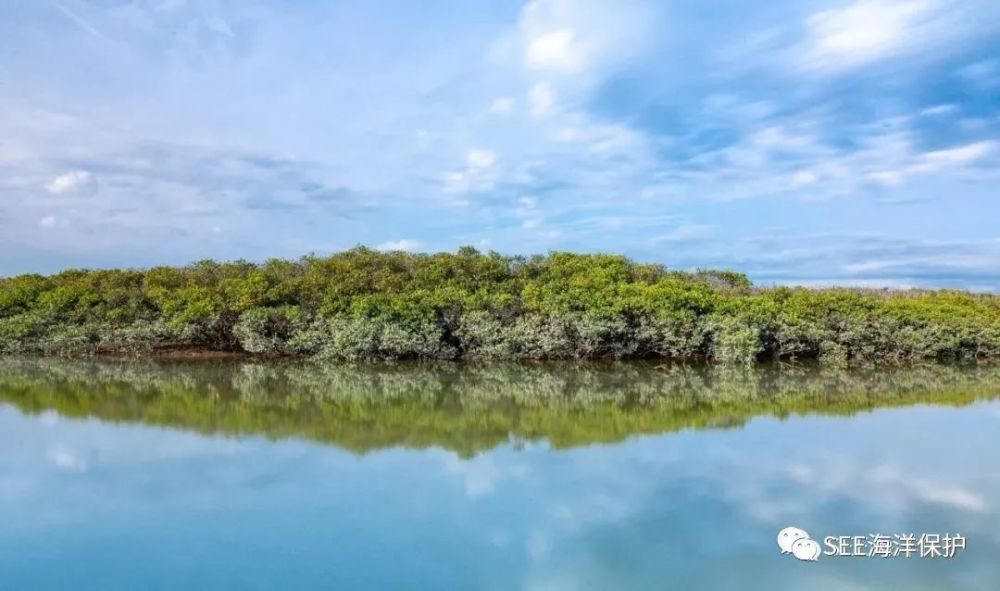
366, 304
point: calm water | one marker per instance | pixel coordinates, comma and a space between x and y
233, 475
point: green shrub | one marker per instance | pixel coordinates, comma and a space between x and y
365, 304
735, 343
263, 330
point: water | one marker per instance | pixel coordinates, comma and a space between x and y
232, 475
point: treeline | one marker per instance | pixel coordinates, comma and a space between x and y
365, 304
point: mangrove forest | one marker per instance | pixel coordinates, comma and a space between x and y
363, 304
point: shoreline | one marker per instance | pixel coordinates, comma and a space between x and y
196, 354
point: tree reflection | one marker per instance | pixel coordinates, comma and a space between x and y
464, 407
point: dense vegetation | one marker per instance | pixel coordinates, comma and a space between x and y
468, 408
363, 304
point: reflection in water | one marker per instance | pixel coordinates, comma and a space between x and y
466, 408
477, 477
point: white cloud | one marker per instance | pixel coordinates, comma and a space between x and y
48, 221
942, 493
804, 177
529, 214
861, 32
541, 99
406, 245
833, 476
480, 474
939, 110
983, 262
961, 154
501, 104
934, 162
478, 158
579, 38
480, 173
567, 134
554, 50
613, 139
67, 459
457, 182
888, 178
70, 182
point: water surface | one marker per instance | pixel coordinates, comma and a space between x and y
235, 475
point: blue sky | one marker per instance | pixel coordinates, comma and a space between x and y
807, 142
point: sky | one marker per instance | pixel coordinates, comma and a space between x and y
805, 142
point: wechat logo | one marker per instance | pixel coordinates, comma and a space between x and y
797, 542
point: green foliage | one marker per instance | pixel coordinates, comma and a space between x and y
269, 330
365, 304
735, 342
